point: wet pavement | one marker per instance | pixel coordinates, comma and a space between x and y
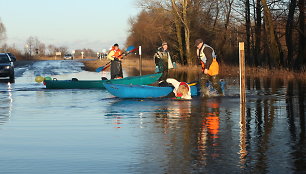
90, 131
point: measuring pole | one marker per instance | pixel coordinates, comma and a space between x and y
140, 61
242, 72
243, 131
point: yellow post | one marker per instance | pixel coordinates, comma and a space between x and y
243, 151
242, 72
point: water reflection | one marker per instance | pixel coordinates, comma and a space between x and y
121, 111
266, 125
296, 122
218, 134
208, 133
243, 149
190, 131
6, 102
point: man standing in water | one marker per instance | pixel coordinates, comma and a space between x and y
116, 67
210, 67
163, 61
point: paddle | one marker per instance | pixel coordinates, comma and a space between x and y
122, 55
101, 68
127, 51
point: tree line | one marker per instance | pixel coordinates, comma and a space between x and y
273, 30
35, 48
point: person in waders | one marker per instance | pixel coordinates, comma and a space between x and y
116, 67
210, 68
163, 62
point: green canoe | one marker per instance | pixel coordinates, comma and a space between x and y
99, 84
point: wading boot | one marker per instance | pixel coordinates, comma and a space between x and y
204, 92
216, 84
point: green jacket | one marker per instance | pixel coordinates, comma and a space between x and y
163, 59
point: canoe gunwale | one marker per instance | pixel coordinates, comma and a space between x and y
99, 84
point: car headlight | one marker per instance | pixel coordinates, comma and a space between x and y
7, 67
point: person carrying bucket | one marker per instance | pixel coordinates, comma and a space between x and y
163, 61
116, 66
210, 67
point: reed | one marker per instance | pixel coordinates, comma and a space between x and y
225, 70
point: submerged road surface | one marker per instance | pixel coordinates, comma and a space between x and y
90, 131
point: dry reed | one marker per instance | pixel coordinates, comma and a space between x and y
225, 70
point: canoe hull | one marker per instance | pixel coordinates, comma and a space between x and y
144, 91
137, 91
99, 84
71, 84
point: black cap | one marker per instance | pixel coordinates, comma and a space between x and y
116, 45
197, 42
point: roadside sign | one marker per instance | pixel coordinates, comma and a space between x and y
139, 50
82, 54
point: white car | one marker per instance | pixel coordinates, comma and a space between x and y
68, 57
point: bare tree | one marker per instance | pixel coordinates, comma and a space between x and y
222, 23
180, 9
178, 30
257, 32
63, 50
289, 28
301, 60
29, 46
34, 47
273, 49
2, 32
223, 43
42, 49
51, 50
248, 31
217, 14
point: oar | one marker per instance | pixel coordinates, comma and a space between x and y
102, 67
127, 51
108, 64
105, 67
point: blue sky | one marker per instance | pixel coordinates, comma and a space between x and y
95, 24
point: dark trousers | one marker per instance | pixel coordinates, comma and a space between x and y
163, 68
116, 69
164, 76
215, 81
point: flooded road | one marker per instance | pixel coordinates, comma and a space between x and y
90, 131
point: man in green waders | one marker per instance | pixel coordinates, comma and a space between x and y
210, 67
163, 62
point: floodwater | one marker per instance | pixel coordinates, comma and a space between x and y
90, 131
